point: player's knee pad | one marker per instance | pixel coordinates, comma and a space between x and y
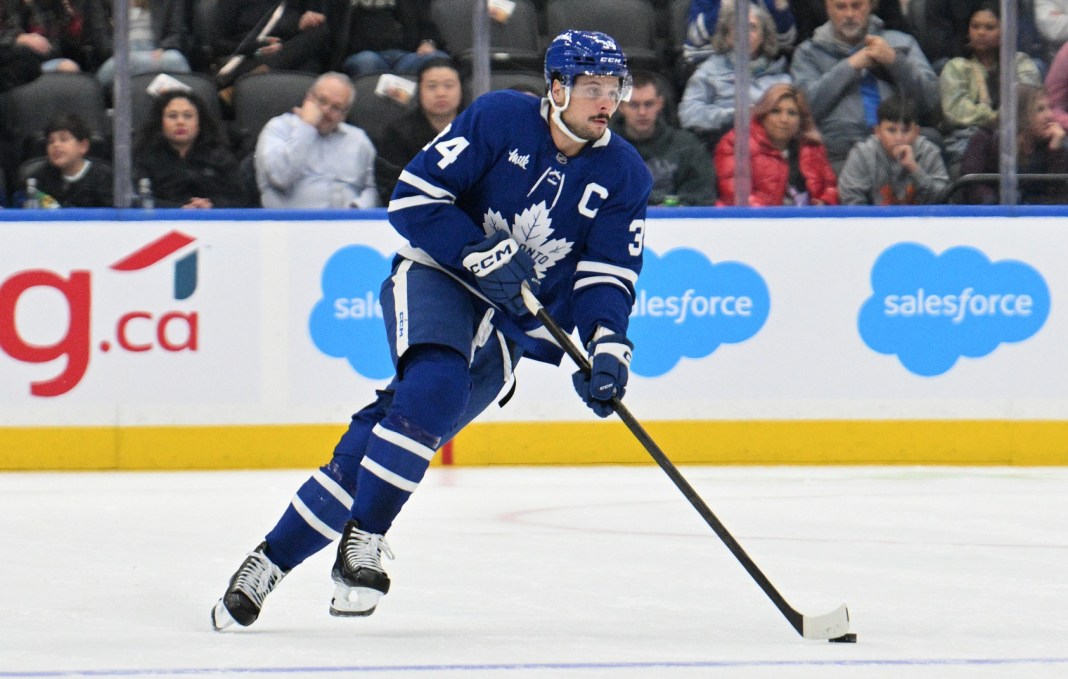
432, 395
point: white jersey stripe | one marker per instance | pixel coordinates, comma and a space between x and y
598, 280
388, 476
413, 201
424, 186
611, 269
333, 487
400, 303
402, 441
314, 521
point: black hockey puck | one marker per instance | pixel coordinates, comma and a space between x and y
847, 638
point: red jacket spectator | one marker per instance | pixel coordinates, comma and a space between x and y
771, 170
788, 158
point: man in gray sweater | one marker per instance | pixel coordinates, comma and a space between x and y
895, 165
849, 65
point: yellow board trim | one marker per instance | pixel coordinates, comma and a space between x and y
822, 442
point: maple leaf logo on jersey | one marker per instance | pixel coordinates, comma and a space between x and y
532, 230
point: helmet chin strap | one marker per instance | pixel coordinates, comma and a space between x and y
557, 110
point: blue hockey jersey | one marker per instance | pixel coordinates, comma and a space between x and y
582, 219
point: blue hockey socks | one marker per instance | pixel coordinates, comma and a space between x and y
314, 518
428, 402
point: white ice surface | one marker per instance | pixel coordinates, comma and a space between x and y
551, 572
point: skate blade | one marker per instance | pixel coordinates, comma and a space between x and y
351, 602
220, 617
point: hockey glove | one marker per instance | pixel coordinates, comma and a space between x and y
501, 267
609, 369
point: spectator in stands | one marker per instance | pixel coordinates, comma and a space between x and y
437, 103
18, 65
297, 39
311, 158
811, 14
896, 165
706, 17
1057, 86
182, 151
1051, 18
679, 162
708, 103
66, 35
1040, 149
943, 31
396, 36
850, 64
158, 38
788, 159
970, 86
68, 178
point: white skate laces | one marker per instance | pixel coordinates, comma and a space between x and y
257, 577
365, 550
361, 582
254, 580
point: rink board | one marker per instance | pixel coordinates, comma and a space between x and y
241, 339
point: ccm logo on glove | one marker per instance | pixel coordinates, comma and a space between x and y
501, 269
483, 263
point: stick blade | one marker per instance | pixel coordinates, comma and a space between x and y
827, 626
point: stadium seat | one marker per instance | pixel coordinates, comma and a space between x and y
514, 44
28, 108
258, 97
247, 172
372, 112
527, 81
631, 22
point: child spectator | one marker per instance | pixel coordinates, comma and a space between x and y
1040, 149
789, 162
895, 166
68, 178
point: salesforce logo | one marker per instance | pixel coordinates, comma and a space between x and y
932, 309
346, 322
688, 306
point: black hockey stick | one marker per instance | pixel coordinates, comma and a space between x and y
831, 626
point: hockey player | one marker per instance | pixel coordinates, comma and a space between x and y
515, 192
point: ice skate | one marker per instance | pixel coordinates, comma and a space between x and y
248, 587
361, 582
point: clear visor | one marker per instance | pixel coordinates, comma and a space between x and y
597, 90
